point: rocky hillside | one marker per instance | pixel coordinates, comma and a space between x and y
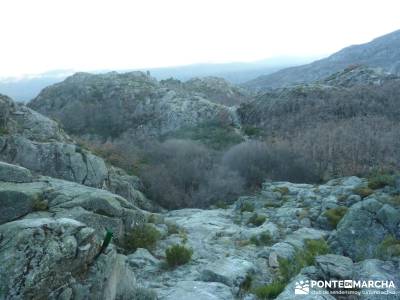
214, 89
35, 142
382, 52
112, 104
241, 250
51, 241
344, 124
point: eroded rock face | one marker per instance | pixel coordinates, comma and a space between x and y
47, 196
37, 143
47, 258
13, 173
55, 159
51, 233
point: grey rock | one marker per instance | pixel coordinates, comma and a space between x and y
280, 250
299, 237
13, 173
31, 251
198, 290
335, 266
97, 208
229, 271
141, 258
374, 269
17, 200
364, 227
55, 159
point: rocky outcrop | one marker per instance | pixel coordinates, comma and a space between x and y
359, 75
56, 258
13, 173
50, 197
365, 226
40, 145
51, 237
134, 104
212, 88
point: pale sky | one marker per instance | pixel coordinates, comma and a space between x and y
42, 35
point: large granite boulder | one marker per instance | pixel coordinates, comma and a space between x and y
47, 258
364, 227
13, 173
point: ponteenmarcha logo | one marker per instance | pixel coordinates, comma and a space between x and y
302, 287
306, 287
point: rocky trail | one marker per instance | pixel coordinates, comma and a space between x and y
228, 249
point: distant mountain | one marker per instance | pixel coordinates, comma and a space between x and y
27, 87
383, 52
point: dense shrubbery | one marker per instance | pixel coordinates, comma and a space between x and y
185, 174
256, 161
380, 180
213, 135
178, 255
142, 236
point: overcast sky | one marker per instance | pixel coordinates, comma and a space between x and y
42, 35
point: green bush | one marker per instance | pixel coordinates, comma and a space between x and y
178, 255
388, 248
211, 135
263, 239
257, 220
334, 215
379, 181
304, 257
363, 191
247, 206
270, 291
142, 236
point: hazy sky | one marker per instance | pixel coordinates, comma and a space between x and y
41, 35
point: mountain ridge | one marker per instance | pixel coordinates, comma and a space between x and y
381, 52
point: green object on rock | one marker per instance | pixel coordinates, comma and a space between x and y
106, 242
